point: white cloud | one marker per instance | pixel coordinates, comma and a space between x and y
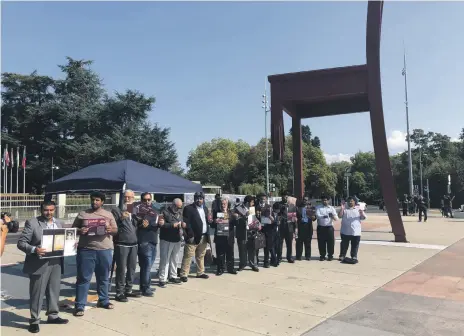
331, 158
397, 142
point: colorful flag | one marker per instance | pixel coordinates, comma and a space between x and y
7, 158
23, 164
17, 156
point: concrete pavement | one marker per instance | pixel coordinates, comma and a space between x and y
289, 300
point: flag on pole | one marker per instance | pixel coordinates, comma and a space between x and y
403, 72
7, 158
12, 157
23, 164
17, 156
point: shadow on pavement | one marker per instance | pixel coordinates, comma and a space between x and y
12, 320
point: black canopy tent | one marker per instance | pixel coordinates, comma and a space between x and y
119, 175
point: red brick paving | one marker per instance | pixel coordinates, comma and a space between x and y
441, 276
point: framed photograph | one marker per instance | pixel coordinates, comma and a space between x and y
59, 242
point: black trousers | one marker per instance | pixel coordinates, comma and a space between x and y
225, 253
422, 210
305, 236
326, 240
270, 232
247, 253
405, 211
126, 262
288, 238
346, 239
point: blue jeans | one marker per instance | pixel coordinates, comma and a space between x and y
88, 262
147, 256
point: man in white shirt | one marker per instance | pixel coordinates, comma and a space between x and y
326, 215
350, 230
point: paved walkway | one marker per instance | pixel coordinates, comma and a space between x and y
308, 297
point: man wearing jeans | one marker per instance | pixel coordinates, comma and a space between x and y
94, 252
197, 217
147, 236
170, 243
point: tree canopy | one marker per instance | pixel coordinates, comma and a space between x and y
77, 123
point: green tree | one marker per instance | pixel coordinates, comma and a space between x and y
75, 122
213, 161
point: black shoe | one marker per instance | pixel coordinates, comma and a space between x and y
266, 265
175, 281
219, 272
241, 268
132, 295
298, 258
203, 276
232, 271
184, 279
34, 328
354, 260
308, 258
321, 258
121, 298
330, 258
291, 261
255, 269
57, 320
161, 284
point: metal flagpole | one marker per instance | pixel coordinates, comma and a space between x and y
404, 73
266, 111
17, 170
11, 170
24, 169
6, 169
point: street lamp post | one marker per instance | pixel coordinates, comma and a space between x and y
420, 170
404, 73
266, 111
347, 175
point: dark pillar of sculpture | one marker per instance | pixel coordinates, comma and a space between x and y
297, 158
329, 92
379, 137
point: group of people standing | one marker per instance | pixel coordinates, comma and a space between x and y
253, 224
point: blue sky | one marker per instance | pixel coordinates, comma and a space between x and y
207, 62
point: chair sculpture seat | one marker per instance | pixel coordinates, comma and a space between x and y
335, 91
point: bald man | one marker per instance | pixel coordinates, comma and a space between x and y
171, 234
125, 249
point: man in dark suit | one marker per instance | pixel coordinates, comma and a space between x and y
44, 274
196, 216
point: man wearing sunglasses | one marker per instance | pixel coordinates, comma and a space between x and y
147, 235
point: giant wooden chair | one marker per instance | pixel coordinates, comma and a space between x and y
335, 91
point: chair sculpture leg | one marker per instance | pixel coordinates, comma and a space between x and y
382, 161
297, 159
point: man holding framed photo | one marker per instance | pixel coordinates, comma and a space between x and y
44, 274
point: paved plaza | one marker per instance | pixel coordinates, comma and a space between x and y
396, 289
